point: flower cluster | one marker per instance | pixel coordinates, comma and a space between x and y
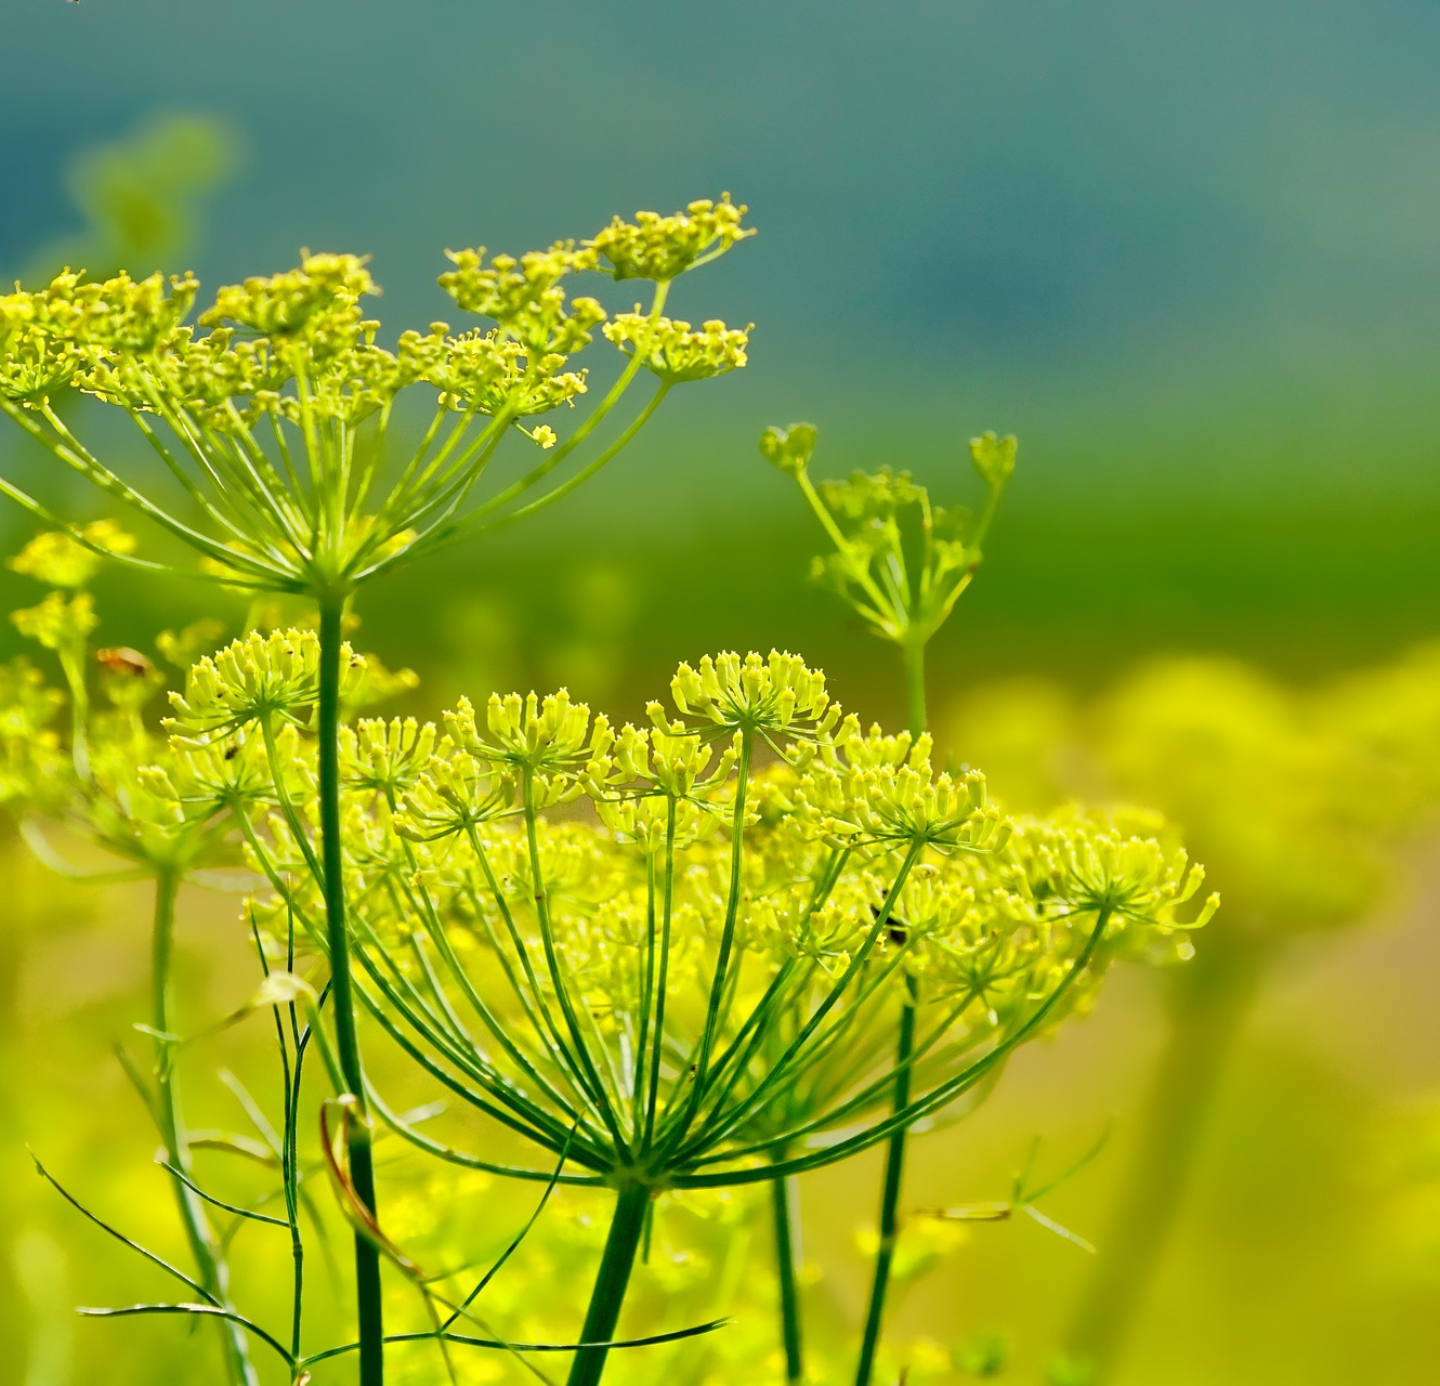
899, 561
271, 407
679, 960
145, 799
262, 678
662, 248
525, 297
1326, 788
678, 953
672, 351
30, 756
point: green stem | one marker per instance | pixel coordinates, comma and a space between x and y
842, 544
913, 652
72, 665
785, 1200
893, 1178
585, 473
347, 1040
889, 1194
1209, 1008
611, 1282
167, 1112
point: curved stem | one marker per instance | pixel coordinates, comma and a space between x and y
587, 1072
347, 1040
785, 1206
167, 1113
982, 525
67, 449
611, 1282
783, 1068
593, 420
586, 472
735, 1174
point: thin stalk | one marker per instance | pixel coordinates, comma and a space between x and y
181, 474
894, 1176
647, 997
167, 1113
982, 526
732, 911
347, 1040
889, 1195
291, 1175
72, 665
913, 652
289, 1150
1209, 1008
77, 458
611, 1282
787, 1062
785, 1208
588, 1074
663, 982
594, 419
492, 1023
585, 473
51, 520
921, 1108
827, 520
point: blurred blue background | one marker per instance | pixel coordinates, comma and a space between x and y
1189, 254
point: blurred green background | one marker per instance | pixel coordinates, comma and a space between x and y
1190, 254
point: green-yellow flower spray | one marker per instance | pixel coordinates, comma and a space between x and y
901, 564
272, 413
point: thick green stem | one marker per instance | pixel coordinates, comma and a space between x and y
889, 1194
167, 1114
1209, 1007
347, 1040
784, 1194
611, 1282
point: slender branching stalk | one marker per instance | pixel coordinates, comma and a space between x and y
273, 424
903, 580
198, 1233
892, 1180
369, 1304
893, 1174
